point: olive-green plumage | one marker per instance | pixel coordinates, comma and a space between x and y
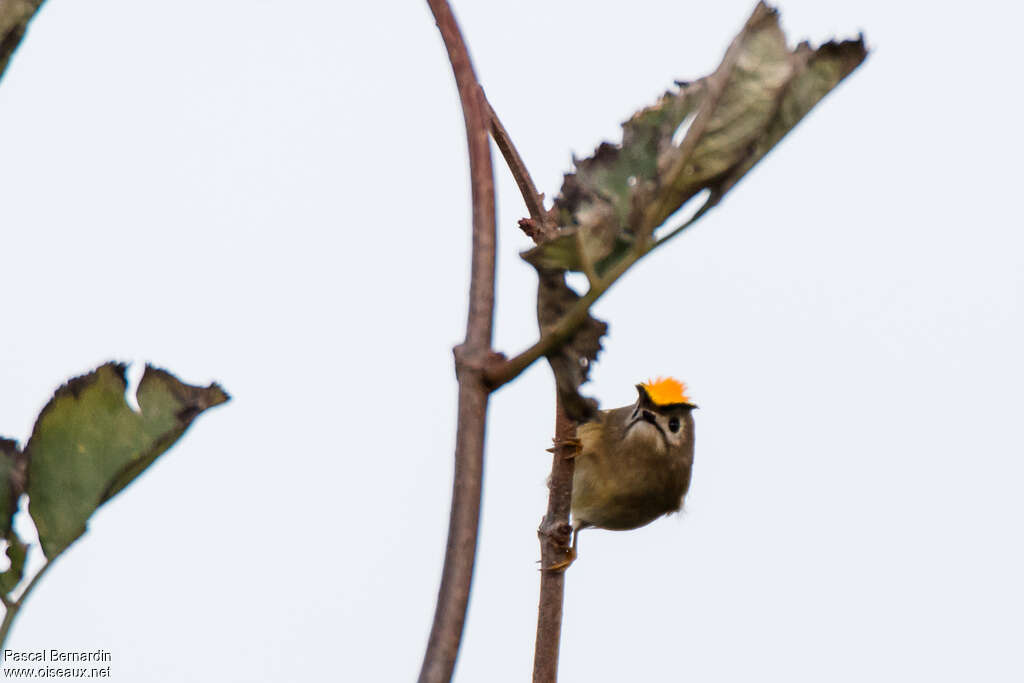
633, 464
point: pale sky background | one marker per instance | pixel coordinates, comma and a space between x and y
274, 196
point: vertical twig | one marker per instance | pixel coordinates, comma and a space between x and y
554, 533
470, 358
473, 359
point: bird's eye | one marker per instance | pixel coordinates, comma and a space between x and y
673, 424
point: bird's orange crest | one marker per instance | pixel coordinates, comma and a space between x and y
666, 390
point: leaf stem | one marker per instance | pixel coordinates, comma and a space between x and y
586, 260
712, 202
504, 371
13, 607
557, 335
5, 626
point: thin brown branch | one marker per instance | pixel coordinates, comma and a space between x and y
554, 533
14, 18
460, 553
555, 530
531, 197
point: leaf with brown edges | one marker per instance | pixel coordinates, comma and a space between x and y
703, 136
88, 444
571, 361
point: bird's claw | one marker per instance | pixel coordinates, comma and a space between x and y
569, 448
561, 566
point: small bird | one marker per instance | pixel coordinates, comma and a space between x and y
633, 463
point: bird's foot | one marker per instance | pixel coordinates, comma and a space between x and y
561, 566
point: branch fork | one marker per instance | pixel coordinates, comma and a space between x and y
482, 364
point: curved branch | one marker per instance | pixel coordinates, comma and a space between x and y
460, 553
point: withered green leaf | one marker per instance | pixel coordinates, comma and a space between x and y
87, 444
703, 136
16, 553
12, 482
571, 362
12, 486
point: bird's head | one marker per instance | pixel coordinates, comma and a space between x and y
661, 414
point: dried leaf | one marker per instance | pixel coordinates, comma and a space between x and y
12, 486
12, 482
87, 444
16, 552
816, 73
704, 136
571, 362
